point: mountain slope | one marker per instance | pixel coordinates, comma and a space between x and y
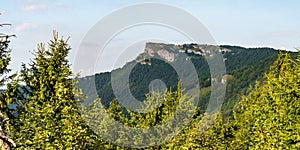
243, 67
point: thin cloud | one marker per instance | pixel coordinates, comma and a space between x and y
33, 7
25, 26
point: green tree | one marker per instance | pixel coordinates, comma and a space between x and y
50, 118
170, 101
269, 117
5, 141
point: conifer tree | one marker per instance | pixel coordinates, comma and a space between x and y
269, 117
170, 102
5, 141
50, 119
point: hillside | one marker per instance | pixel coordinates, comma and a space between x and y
244, 66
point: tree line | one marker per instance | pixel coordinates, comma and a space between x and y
39, 109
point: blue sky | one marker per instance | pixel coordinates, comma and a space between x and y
250, 23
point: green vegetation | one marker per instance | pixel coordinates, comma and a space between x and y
172, 99
267, 118
244, 66
5, 141
49, 118
41, 103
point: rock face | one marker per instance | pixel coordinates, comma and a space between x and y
169, 52
166, 55
164, 51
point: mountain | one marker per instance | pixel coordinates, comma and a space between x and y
244, 66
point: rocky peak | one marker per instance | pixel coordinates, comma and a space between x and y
165, 51
170, 51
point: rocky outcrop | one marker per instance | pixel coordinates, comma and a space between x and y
170, 51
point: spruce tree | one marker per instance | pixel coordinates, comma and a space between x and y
50, 119
163, 111
5, 141
269, 117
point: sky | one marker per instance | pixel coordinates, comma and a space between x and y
249, 23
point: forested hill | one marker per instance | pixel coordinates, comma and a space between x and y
244, 66
49, 115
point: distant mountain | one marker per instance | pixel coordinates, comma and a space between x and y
243, 67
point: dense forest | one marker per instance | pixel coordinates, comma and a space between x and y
244, 66
42, 107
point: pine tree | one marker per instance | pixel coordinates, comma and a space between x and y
50, 119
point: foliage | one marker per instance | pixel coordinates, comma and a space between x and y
244, 67
164, 111
269, 116
49, 118
4, 62
5, 141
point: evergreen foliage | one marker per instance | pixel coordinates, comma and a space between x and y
269, 116
49, 119
5, 141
